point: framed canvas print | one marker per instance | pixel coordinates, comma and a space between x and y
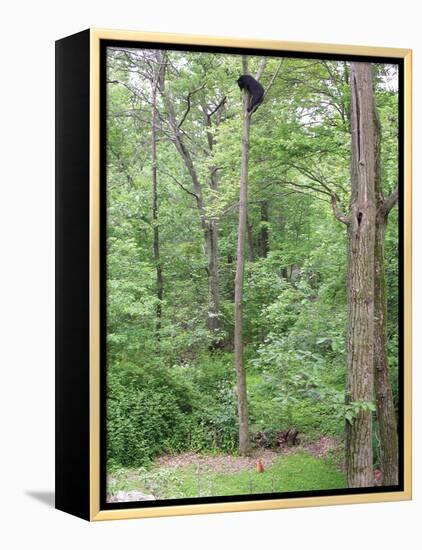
233, 274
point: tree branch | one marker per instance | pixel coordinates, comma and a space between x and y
314, 177
272, 79
261, 68
337, 212
209, 115
190, 94
391, 201
179, 183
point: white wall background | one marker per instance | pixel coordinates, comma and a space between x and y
26, 254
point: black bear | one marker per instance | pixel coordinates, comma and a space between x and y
255, 90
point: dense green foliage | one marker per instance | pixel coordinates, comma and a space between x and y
175, 391
157, 410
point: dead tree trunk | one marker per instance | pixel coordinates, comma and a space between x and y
244, 445
360, 278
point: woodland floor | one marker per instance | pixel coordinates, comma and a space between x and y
311, 466
222, 463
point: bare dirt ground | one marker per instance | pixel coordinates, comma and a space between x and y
232, 464
322, 447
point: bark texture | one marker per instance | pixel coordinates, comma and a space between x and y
387, 424
361, 241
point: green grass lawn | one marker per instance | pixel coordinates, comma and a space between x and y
299, 471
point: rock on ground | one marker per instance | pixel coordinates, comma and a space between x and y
130, 496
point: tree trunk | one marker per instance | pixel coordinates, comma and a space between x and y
387, 424
209, 226
244, 445
263, 232
250, 240
360, 288
214, 321
156, 230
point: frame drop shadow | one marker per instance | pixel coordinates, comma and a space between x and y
45, 497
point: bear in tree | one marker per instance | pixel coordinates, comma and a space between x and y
255, 90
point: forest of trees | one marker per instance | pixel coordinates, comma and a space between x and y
252, 277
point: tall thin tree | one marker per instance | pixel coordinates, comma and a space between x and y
209, 224
156, 82
242, 401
